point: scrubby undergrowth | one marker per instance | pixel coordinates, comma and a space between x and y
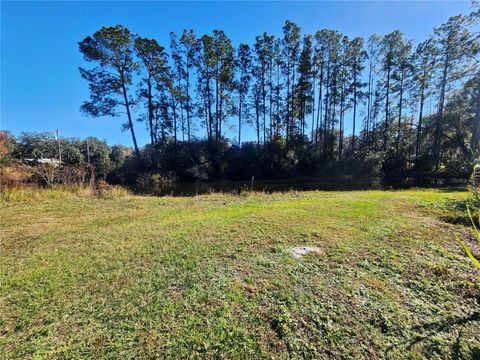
25, 193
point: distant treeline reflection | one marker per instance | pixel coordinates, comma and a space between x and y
340, 183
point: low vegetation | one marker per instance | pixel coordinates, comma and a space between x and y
33, 193
212, 276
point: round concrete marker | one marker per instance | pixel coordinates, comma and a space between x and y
299, 251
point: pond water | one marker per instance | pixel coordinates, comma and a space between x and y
344, 183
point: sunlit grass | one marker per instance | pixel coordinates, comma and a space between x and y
125, 277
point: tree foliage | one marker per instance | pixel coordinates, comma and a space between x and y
310, 98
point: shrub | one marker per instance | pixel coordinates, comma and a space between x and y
106, 191
15, 175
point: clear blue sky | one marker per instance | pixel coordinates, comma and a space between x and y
41, 89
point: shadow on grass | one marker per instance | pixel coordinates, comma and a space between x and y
433, 328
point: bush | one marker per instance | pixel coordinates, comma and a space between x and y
15, 175
105, 191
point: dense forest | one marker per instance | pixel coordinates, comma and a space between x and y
319, 104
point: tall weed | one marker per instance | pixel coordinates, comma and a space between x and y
477, 236
12, 194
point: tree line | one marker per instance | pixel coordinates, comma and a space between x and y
317, 103
285, 87
92, 157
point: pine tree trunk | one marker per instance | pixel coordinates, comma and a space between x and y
354, 111
320, 105
313, 110
277, 101
476, 125
387, 103
400, 105
340, 140
439, 119
219, 136
369, 103
288, 103
292, 118
325, 125
334, 115
129, 116
420, 121
258, 121
264, 106
174, 117
240, 120
270, 99
150, 112
188, 104
216, 102
210, 116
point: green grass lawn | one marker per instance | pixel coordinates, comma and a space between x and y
211, 276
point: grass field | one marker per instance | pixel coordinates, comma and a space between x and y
211, 276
